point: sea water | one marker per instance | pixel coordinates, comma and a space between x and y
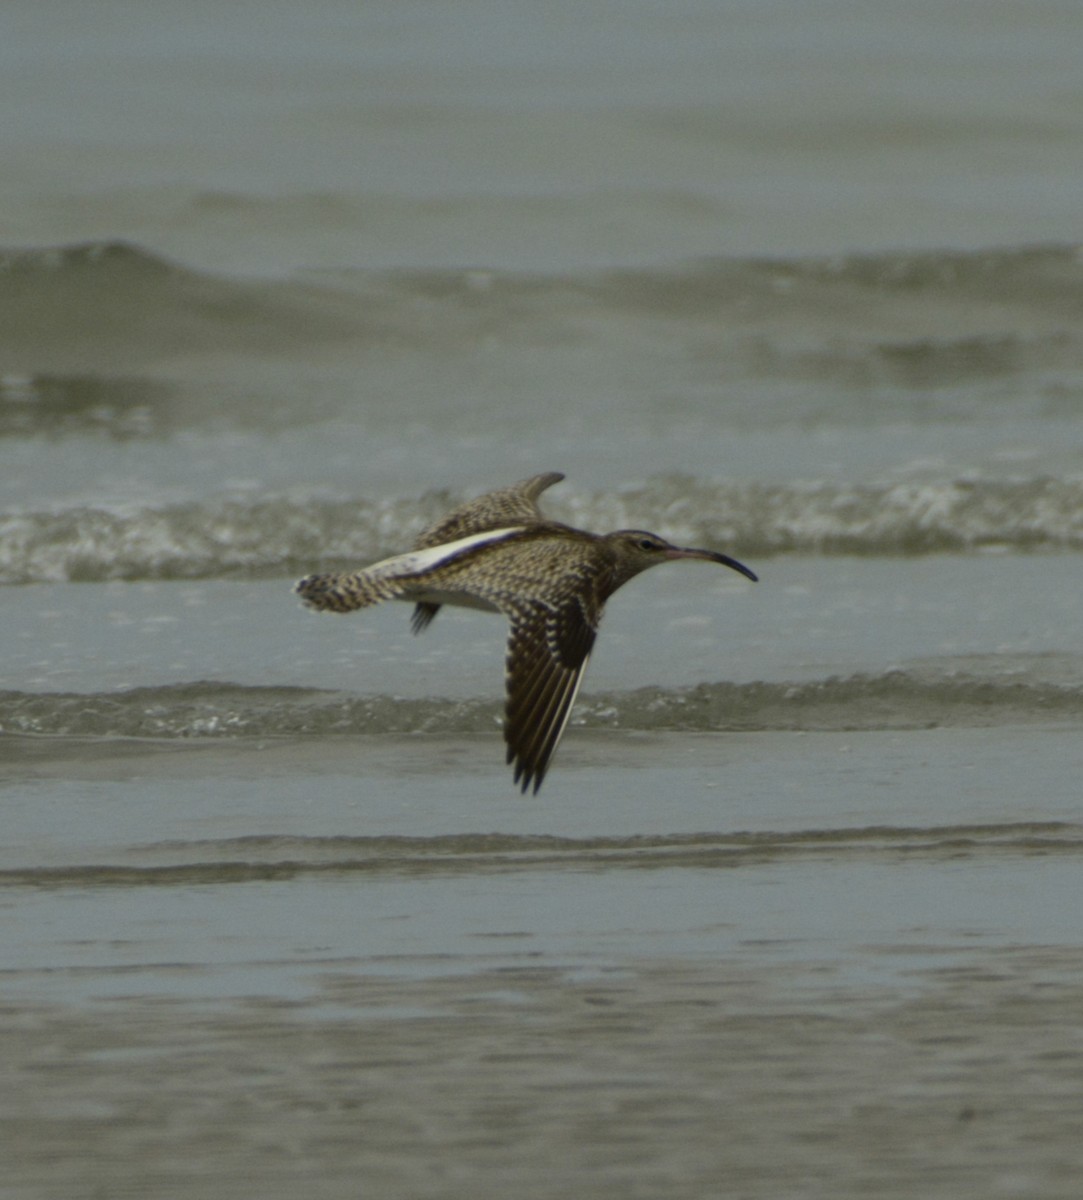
796, 912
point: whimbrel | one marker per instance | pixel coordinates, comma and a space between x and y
551, 581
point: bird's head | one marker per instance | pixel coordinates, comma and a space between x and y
636, 551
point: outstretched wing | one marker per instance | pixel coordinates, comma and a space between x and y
514, 505
406, 576
548, 651
548, 581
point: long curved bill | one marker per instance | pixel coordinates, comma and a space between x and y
712, 556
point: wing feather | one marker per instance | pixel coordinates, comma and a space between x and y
548, 651
514, 505
549, 726
396, 578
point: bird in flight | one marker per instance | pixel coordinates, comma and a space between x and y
499, 553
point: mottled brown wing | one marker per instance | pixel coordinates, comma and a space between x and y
514, 505
548, 651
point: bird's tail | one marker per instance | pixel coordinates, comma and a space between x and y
343, 593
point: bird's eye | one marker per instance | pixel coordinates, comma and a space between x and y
648, 544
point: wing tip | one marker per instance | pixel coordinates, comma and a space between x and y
528, 777
536, 484
423, 616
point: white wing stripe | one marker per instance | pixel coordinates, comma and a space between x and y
550, 728
416, 561
571, 704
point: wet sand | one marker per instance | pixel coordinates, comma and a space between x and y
680, 1078
753, 965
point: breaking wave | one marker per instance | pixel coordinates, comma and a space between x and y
244, 537
258, 859
896, 699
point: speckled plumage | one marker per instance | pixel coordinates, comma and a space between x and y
551, 581
513, 505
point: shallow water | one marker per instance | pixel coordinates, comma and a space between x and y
860, 949
795, 913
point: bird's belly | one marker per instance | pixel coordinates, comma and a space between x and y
458, 599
